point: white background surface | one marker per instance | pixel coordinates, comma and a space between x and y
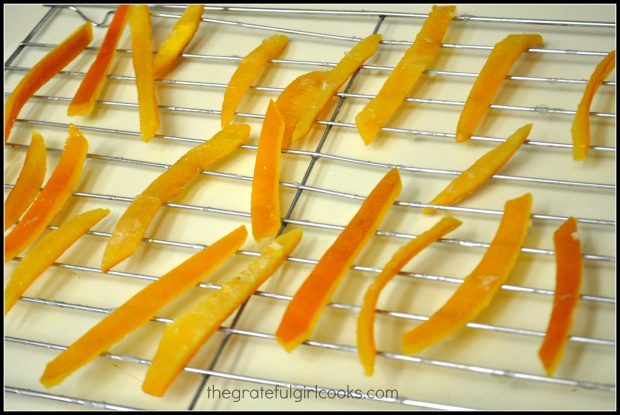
119, 383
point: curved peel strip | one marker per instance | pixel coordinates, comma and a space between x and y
130, 228
28, 183
568, 284
46, 251
249, 69
52, 198
140, 308
296, 97
304, 309
142, 58
365, 333
479, 288
83, 102
504, 54
43, 71
478, 173
265, 202
183, 338
335, 78
406, 74
178, 39
581, 123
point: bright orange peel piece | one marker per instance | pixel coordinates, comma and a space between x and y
140, 308
478, 173
504, 54
183, 338
406, 74
478, 288
130, 228
83, 102
265, 200
46, 251
304, 310
52, 197
248, 70
28, 182
567, 286
366, 348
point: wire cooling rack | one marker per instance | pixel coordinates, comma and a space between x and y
490, 364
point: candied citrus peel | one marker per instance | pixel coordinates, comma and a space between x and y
248, 70
295, 98
478, 173
365, 333
406, 74
478, 288
178, 39
142, 58
304, 310
52, 197
43, 71
83, 102
504, 54
130, 228
140, 308
567, 286
265, 201
183, 338
46, 251
581, 123
28, 182
335, 78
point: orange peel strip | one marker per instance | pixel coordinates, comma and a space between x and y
568, 284
504, 54
406, 74
140, 308
183, 338
43, 71
478, 173
52, 198
142, 58
83, 102
265, 201
178, 39
581, 123
479, 288
296, 97
28, 183
304, 309
46, 251
365, 333
130, 228
249, 69
335, 78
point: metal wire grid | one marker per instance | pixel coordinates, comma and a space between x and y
302, 187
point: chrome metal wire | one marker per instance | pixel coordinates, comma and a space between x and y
302, 186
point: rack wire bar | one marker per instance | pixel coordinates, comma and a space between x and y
433, 134
538, 108
302, 187
462, 17
384, 42
282, 297
332, 346
333, 227
308, 261
243, 378
236, 58
68, 399
314, 189
318, 154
